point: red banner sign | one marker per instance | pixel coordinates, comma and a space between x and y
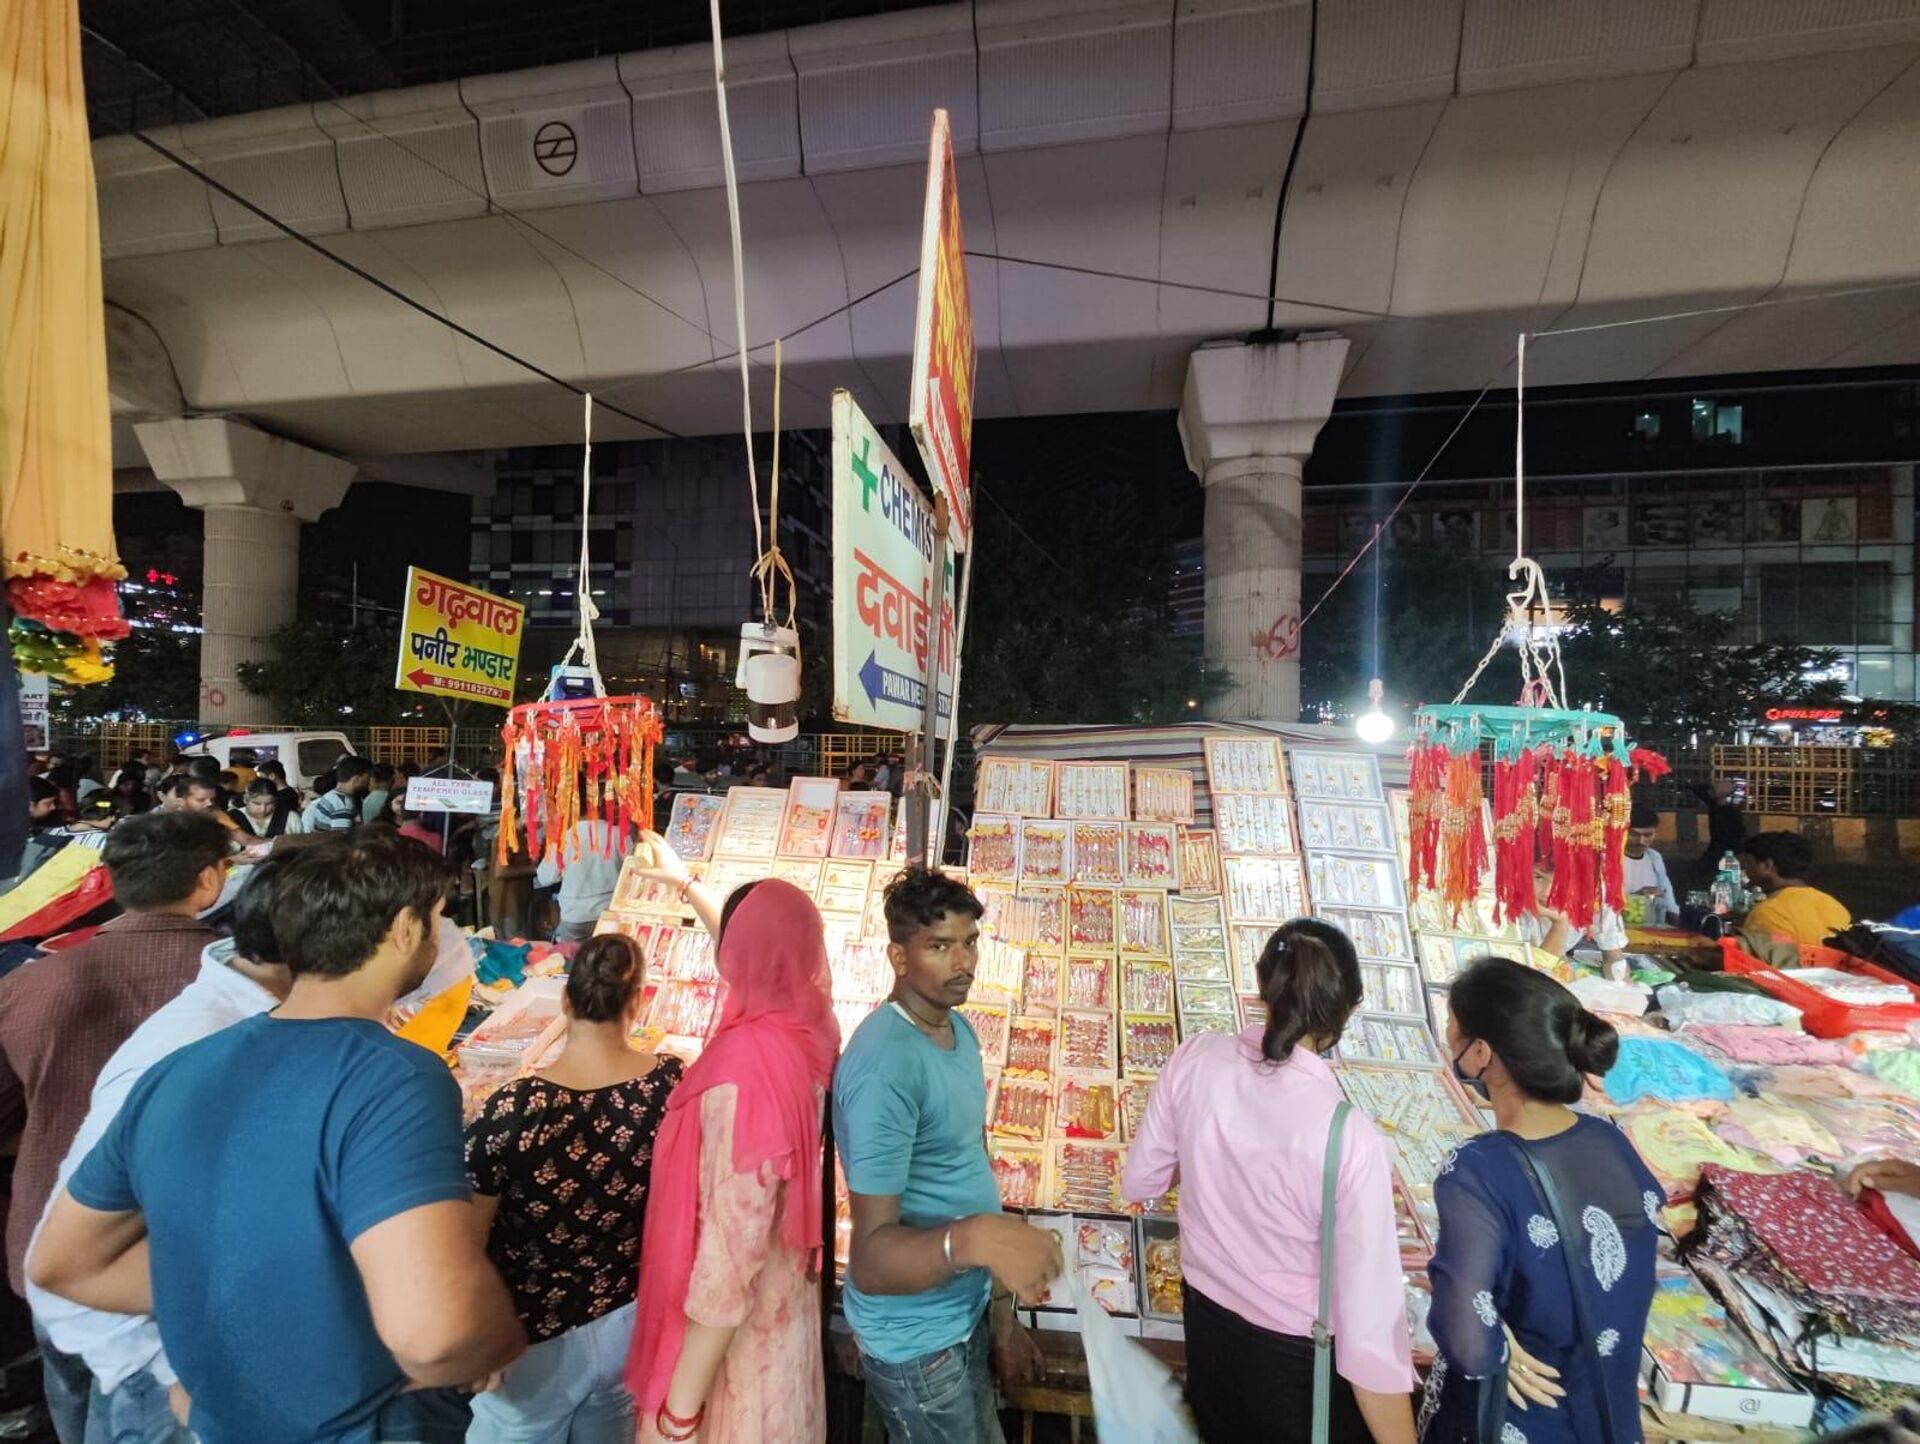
940, 411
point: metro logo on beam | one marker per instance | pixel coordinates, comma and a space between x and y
940, 409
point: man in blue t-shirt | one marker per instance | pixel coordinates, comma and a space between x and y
315, 1266
929, 1239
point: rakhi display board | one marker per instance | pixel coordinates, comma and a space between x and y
691, 827
807, 828
1136, 933
750, 824
1014, 786
1353, 868
1425, 1116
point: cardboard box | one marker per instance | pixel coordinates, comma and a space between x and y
1793, 1410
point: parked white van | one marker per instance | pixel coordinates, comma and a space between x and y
305, 755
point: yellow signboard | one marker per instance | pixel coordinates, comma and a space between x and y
458, 643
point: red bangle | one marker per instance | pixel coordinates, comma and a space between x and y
666, 1421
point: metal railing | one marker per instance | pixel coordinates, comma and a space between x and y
813, 754
1786, 781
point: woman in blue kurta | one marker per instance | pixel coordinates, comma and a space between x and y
1521, 1360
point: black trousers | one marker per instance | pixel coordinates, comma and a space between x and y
1249, 1385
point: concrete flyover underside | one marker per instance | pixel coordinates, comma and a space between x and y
1468, 168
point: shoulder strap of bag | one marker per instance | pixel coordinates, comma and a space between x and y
1322, 1334
1541, 1177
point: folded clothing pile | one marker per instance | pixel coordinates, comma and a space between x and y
1683, 1006
1746, 1043
1802, 1235
1664, 1069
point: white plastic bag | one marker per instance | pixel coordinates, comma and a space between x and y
1135, 1400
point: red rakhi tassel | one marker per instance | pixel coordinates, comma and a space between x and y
1514, 809
1617, 810
1462, 833
1426, 762
1577, 835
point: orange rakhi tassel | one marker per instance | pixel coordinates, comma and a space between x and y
1463, 838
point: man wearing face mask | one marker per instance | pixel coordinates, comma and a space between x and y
1646, 870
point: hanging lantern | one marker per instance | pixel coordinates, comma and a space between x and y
588, 759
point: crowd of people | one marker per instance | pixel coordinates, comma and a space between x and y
221, 1135
68, 800
223, 1149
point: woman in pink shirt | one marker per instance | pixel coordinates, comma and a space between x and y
1240, 1124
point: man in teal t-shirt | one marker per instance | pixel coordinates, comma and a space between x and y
929, 1239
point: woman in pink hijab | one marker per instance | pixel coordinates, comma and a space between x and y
726, 1348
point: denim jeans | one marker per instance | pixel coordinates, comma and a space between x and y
135, 1413
940, 1398
563, 1390
424, 1416
68, 1383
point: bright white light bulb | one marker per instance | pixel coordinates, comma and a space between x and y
1374, 727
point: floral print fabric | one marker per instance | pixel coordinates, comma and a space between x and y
1802, 1233
570, 1170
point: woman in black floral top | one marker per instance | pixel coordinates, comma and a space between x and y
559, 1163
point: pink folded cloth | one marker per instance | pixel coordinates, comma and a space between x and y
1748, 1043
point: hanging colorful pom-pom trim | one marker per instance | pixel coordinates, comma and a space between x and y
588, 760
76, 661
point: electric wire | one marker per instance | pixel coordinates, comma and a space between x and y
600, 397
221, 188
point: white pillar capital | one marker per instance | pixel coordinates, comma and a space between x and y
1248, 422
217, 461
254, 489
1247, 403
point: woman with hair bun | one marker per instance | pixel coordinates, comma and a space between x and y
559, 1163
1242, 1125
1543, 1272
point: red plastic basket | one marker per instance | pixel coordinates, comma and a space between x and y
1820, 1015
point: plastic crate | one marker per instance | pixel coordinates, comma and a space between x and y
1820, 1015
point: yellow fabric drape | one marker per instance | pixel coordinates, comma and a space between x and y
56, 443
439, 1017
54, 878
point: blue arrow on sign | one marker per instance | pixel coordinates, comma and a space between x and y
883, 684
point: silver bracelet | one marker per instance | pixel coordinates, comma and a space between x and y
946, 1250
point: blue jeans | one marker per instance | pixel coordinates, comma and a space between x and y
940, 1398
68, 1383
564, 1390
424, 1416
135, 1413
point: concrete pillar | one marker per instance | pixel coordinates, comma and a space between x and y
255, 489
1248, 422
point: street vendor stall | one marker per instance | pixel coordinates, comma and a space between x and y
1130, 877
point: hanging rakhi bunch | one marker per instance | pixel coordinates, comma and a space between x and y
588, 760
1516, 807
1570, 836
1447, 819
1560, 775
1560, 803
